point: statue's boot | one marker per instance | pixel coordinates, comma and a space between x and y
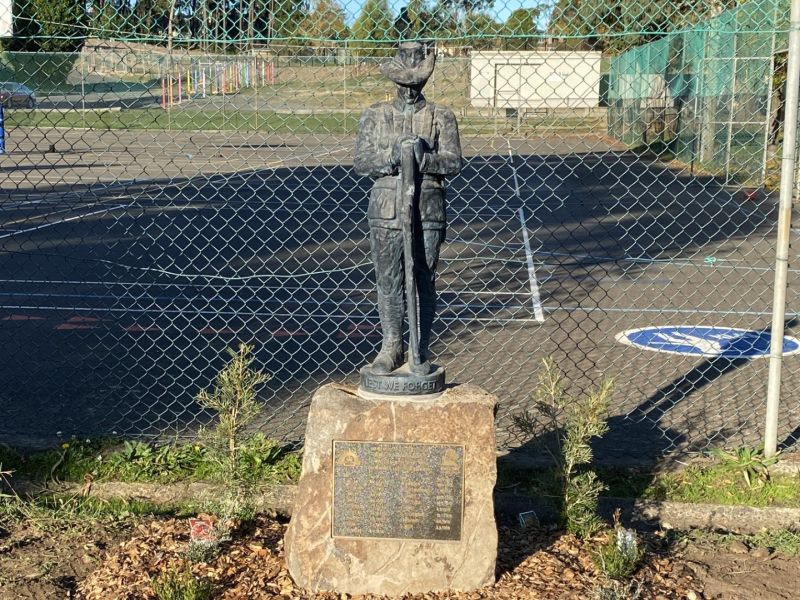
391, 354
427, 311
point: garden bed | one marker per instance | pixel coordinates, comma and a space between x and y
119, 557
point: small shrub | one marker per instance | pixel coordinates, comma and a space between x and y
618, 590
238, 451
234, 400
181, 585
621, 554
576, 420
202, 551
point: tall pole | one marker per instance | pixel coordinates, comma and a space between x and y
169, 60
784, 223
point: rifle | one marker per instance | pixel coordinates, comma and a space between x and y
409, 191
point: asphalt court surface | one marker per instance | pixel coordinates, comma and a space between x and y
131, 259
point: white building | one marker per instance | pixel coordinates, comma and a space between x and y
535, 79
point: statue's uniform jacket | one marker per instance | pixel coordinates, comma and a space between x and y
380, 126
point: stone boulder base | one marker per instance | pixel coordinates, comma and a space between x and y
463, 414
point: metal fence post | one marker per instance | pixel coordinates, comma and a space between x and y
2, 130
784, 223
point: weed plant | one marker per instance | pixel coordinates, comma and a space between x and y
576, 420
751, 463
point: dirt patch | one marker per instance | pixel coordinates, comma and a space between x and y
48, 561
742, 574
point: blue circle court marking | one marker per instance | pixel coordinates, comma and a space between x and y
690, 340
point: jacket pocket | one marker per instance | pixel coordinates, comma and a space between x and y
381, 204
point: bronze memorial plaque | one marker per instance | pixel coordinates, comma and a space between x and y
398, 490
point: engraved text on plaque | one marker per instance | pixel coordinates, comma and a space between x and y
398, 490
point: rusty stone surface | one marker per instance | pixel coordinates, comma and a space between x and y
317, 561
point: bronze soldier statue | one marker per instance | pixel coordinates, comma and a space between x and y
408, 146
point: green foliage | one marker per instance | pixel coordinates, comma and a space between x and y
522, 22
326, 21
782, 541
264, 459
42, 72
600, 24
178, 584
241, 454
260, 459
579, 511
375, 22
48, 26
621, 554
751, 463
45, 511
202, 551
234, 400
482, 28
140, 461
618, 590
576, 420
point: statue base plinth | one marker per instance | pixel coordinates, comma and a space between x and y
396, 494
401, 382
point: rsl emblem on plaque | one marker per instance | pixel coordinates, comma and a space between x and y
450, 461
348, 458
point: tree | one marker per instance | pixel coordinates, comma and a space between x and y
326, 21
150, 17
482, 30
599, 24
106, 18
374, 23
453, 15
323, 26
522, 22
48, 26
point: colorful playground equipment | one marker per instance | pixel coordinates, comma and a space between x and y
205, 77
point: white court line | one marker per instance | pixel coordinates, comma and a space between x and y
536, 301
75, 218
513, 169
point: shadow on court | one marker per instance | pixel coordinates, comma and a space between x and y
119, 303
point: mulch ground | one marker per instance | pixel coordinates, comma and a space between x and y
532, 563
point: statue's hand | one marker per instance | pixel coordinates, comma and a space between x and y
419, 150
401, 139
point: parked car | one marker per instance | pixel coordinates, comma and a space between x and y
14, 95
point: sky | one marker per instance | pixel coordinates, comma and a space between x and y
500, 11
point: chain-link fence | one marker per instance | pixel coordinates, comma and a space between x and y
166, 196
707, 94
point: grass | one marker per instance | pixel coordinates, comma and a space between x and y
783, 541
714, 484
182, 119
191, 119
49, 512
111, 459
